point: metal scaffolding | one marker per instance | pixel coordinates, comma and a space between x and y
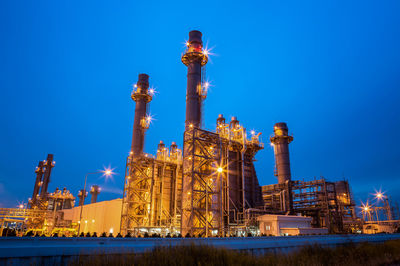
202, 209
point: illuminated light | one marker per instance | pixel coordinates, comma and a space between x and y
252, 132
111, 230
21, 206
79, 222
191, 125
135, 85
93, 221
379, 195
272, 144
219, 170
151, 91
187, 43
131, 152
85, 221
189, 193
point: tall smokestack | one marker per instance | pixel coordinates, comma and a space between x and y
141, 96
281, 140
94, 192
194, 58
48, 164
39, 175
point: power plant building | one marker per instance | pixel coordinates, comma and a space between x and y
208, 187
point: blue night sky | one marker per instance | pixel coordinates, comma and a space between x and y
330, 69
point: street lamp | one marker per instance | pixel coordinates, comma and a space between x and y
106, 172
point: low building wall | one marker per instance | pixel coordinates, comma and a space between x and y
59, 251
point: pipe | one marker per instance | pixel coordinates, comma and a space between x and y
141, 96
194, 59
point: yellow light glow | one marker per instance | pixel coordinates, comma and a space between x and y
252, 132
191, 125
219, 170
21, 206
187, 43
85, 221
93, 221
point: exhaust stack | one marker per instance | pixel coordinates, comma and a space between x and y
38, 183
82, 196
48, 164
141, 122
194, 58
280, 141
94, 192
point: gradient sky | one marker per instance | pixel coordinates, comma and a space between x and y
330, 69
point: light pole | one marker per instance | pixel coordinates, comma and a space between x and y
106, 172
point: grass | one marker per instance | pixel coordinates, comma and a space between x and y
365, 254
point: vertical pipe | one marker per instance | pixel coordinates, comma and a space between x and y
194, 59
141, 96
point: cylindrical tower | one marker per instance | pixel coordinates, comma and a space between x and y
194, 58
82, 196
280, 141
48, 164
141, 96
94, 192
38, 182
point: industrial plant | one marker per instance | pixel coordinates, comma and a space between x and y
209, 187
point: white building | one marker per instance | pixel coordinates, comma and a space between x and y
99, 217
284, 225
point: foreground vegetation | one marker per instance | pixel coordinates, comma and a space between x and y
363, 254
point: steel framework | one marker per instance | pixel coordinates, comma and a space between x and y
203, 180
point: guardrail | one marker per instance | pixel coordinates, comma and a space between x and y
26, 250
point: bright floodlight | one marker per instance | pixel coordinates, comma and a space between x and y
252, 132
108, 172
219, 170
21, 206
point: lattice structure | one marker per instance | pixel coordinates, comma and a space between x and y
203, 176
318, 199
28, 217
136, 206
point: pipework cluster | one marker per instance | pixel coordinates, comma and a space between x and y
236, 132
172, 154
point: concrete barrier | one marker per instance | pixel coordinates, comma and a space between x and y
53, 250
